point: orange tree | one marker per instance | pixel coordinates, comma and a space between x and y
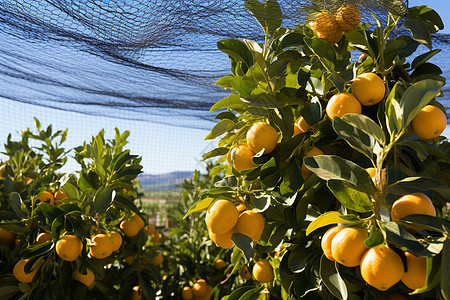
353, 185
74, 233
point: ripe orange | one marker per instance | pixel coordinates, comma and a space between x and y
416, 276
156, 237
138, 220
242, 157
136, 293
46, 196
158, 259
7, 237
186, 293
381, 267
69, 247
86, 279
263, 271
326, 27
221, 217
371, 172
222, 240
347, 246
102, 246
251, 224
116, 240
262, 135
313, 152
220, 264
200, 288
368, 88
348, 17
241, 207
19, 272
327, 239
341, 104
429, 123
150, 229
130, 228
301, 126
59, 195
410, 204
245, 273
43, 237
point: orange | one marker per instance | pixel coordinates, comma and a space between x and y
156, 237
158, 259
86, 279
242, 157
69, 247
222, 240
19, 271
43, 237
102, 246
381, 267
263, 271
130, 228
164, 278
136, 293
186, 293
116, 240
128, 259
59, 195
221, 217
7, 237
347, 246
341, 104
200, 288
251, 224
150, 230
348, 17
326, 27
245, 273
429, 123
416, 276
327, 239
46, 197
313, 152
396, 296
262, 135
220, 264
371, 172
410, 204
368, 88
301, 126
241, 207
138, 220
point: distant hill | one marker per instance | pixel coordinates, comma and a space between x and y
163, 182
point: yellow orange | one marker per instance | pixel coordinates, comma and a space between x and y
326, 27
262, 135
59, 195
150, 229
46, 196
138, 220
222, 240
242, 157
136, 293
130, 228
200, 288
7, 237
158, 259
187, 293
348, 17
43, 237
416, 276
347, 246
429, 123
219, 264
341, 104
69, 247
221, 217
241, 207
381, 267
368, 88
410, 204
156, 237
245, 274
301, 126
263, 271
251, 224
101, 246
327, 239
87, 279
313, 152
116, 239
19, 271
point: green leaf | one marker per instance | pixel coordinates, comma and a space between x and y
429, 16
350, 196
375, 239
237, 294
414, 184
232, 101
253, 294
400, 236
445, 270
393, 110
237, 50
103, 199
242, 86
323, 51
312, 112
220, 128
356, 138
225, 81
244, 243
427, 222
50, 211
330, 167
215, 152
70, 190
16, 204
419, 31
267, 14
419, 60
332, 279
38, 250
331, 217
200, 205
338, 81
366, 125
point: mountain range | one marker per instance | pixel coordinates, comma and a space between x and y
163, 182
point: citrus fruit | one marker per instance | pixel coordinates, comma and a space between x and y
200, 288
241, 207
348, 17
138, 220
116, 240
381, 267
101, 246
222, 240
245, 273
368, 88
69, 247
158, 259
242, 157
410, 204
313, 152
416, 276
136, 293
19, 271
156, 237
262, 135
221, 216
371, 171
251, 224
263, 271
186, 293
7, 237
46, 196
347, 246
429, 123
129, 260
43, 237
301, 126
327, 239
129, 227
341, 104
325, 26
220, 264
59, 195
86, 279
150, 229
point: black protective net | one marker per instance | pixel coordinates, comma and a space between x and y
133, 59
